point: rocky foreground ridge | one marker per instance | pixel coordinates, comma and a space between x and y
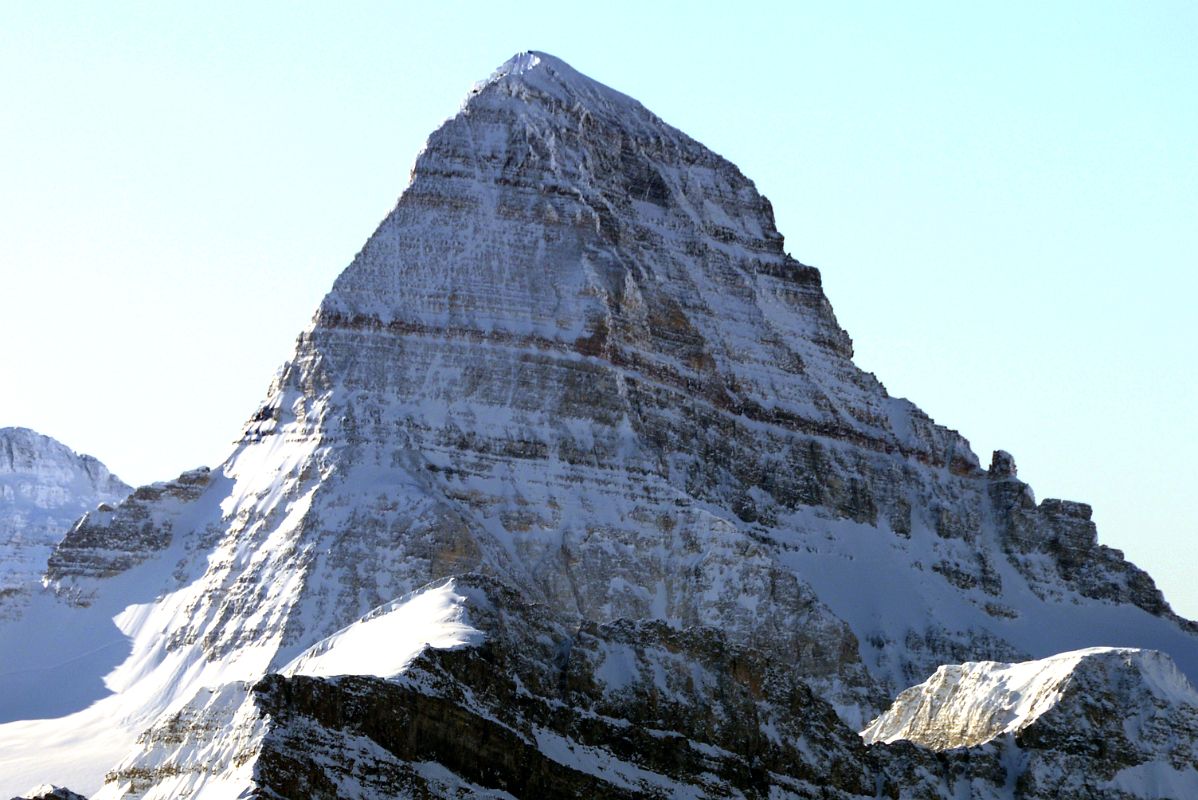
572, 488
507, 702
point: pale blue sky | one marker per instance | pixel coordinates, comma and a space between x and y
1003, 199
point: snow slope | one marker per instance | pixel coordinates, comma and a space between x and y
970, 704
385, 641
382, 643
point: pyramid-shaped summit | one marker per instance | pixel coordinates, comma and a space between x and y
574, 387
552, 200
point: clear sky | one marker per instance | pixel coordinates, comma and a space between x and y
1002, 197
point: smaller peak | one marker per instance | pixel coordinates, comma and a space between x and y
965, 705
33, 444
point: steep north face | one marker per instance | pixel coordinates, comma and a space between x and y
576, 369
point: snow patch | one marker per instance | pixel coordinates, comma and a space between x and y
385, 641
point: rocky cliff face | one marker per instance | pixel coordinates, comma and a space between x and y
44, 487
576, 360
531, 707
506, 701
109, 541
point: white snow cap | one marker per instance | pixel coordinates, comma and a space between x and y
520, 63
549, 74
963, 705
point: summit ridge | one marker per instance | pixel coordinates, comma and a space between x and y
551, 74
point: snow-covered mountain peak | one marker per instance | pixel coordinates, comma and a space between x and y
965, 705
44, 487
523, 62
551, 77
574, 359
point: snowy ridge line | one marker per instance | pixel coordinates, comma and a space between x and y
969, 704
533, 67
384, 641
555, 77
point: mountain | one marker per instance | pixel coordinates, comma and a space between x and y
571, 487
44, 488
1081, 724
